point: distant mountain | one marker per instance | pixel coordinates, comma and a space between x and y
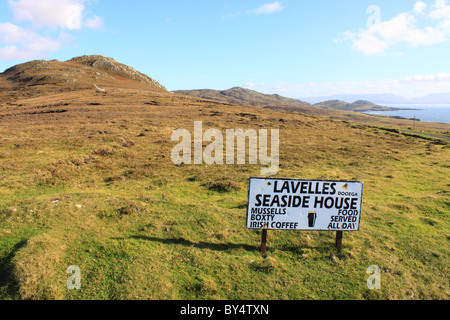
253, 98
350, 98
241, 96
383, 99
358, 106
437, 98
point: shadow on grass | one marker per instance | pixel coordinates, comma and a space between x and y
200, 245
324, 247
7, 279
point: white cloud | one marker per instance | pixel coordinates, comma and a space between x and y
24, 43
10, 33
440, 10
435, 78
49, 13
13, 53
405, 28
366, 43
94, 23
42, 45
268, 8
409, 87
419, 7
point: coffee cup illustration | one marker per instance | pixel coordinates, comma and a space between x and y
312, 216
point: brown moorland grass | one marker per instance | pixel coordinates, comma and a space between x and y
94, 186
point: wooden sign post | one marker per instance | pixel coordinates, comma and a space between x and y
339, 235
309, 205
264, 241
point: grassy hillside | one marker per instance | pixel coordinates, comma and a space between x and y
358, 106
333, 109
247, 97
94, 186
86, 179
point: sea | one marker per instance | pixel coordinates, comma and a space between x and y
428, 113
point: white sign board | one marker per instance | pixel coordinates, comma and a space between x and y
288, 204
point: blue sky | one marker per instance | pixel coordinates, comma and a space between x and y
291, 47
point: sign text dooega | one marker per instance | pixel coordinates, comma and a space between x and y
288, 204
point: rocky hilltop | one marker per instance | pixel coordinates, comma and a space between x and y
94, 72
109, 64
